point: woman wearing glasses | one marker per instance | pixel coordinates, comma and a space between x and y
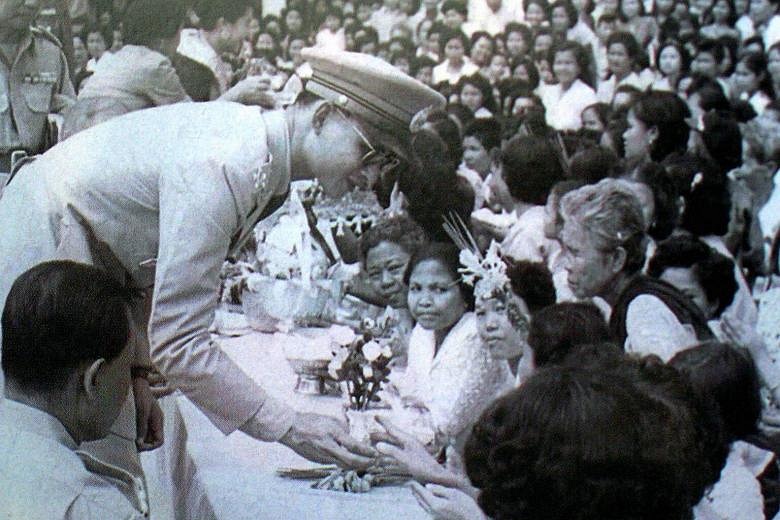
184, 191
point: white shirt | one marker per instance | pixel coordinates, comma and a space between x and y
458, 381
772, 32
563, 109
607, 87
737, 493
652, 328
441, 72
335, 41
42, 477
483, 18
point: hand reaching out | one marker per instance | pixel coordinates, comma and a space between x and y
401, 453
444, 503
325, 439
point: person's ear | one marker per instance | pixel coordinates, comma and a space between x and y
652, 135
89, 381
618, 259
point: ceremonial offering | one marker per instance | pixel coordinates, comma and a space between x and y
333, 478
308, 352
271, 304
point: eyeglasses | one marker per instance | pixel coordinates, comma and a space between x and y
373, 156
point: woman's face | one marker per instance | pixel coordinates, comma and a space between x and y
499, 68
80, 55
265, 43
631, 8
293, 21
686, 282
745, 80
502, 325
566, 68
424, 75
481, 52
773, 65
589, 268
475, 156
721, 11
670, 61
515, 44
618, 59
435, 300
454, 50
542, 44
636, 138
534, 15
96, 44
385, 267
591, 121
520, 72
559, 20
471, 97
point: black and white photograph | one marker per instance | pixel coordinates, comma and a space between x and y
390, 259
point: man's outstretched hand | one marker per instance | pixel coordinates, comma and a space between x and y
325, 439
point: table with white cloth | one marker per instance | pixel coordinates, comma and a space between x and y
238, 473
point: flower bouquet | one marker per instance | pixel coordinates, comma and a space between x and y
361, 363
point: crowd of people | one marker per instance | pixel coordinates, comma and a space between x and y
584, 244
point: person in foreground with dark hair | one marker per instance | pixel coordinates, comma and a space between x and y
729, 376
586, 445
67, 351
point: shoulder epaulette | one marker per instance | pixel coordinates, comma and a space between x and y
45, 33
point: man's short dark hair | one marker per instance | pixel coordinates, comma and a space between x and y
530, 167
57, 315
148, 20
209, 11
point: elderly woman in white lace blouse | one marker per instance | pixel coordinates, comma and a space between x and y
449, 372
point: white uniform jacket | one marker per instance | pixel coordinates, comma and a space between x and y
156, 197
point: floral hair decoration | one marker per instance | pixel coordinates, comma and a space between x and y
488, 269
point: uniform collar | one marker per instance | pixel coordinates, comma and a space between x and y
35, 421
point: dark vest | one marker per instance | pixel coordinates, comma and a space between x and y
682, 307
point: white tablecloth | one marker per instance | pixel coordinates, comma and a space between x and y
238, 472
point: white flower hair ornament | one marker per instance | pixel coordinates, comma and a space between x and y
486, 273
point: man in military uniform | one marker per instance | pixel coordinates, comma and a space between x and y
160, 197
34, 80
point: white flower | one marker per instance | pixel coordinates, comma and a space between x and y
337, 362
368, 372
387, 351
372, 350
342, 335
368, 324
